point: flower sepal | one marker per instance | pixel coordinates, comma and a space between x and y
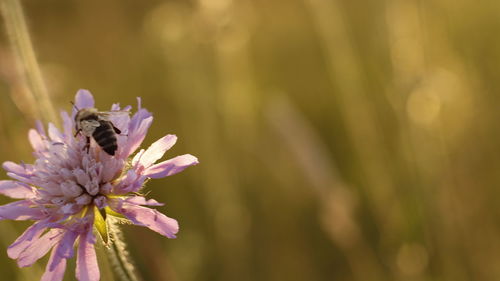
100, 225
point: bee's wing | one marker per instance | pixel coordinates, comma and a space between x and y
91, 123
118, 118
108, 115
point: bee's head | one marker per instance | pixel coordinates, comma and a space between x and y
89, 113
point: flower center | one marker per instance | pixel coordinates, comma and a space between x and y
70, 178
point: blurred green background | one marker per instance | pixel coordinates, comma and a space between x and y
338, 140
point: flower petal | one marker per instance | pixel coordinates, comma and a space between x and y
131, 182
137, 129
139, 103
20, 210
54, 133
65, 248
36, 141
16, 190
55, 268
68, 126
120, 119
21, 178
87, 268
171, 166
39, 248
114, 167
150, 218
84, 99
137, 157
39, 128
26, 239
22, 170
137, 135
156, 150
139, 200
22, 173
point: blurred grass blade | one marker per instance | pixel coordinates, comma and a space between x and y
20, 41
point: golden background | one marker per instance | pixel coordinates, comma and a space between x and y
337, 139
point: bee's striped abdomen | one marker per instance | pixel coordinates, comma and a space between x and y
105, 136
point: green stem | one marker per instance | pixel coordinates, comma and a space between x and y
118, 254
22, 47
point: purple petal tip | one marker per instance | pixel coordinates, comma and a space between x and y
84, 99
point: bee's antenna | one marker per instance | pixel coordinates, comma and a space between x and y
74, 105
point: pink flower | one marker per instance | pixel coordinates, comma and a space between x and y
69, 191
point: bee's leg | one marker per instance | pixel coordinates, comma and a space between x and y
77, 132
87, 145
117, 131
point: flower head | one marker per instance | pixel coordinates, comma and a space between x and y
72, 188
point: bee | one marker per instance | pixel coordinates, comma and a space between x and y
96, 124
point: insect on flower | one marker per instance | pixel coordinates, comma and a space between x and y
96, 124
73, 188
